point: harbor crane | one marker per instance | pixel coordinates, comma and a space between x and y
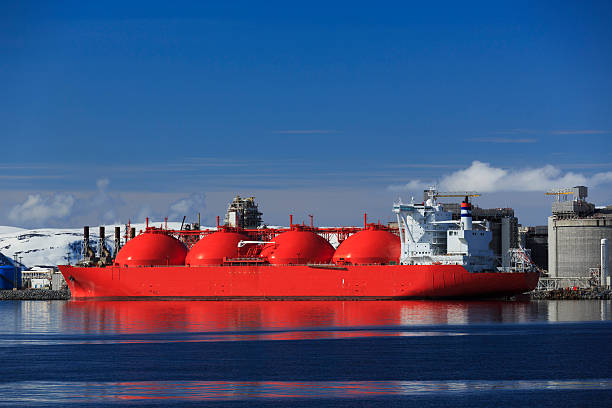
560, 193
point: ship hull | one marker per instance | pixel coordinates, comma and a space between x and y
294, 282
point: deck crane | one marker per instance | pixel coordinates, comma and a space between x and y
466, 194
433, 194
466, 207
560, 192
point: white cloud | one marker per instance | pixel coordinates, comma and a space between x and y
602, 178
101, 205
412, 185
485, 178
102, 184
39, 208
144, 212
195, 203
479, 176
57, 209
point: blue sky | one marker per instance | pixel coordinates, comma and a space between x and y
326, 108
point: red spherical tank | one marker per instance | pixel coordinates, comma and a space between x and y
370, 246
152, 248
298, 247
211, 249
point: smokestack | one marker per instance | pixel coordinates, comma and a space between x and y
605, 266
117, 240
466, 215
132, 232
85, 240
102, 242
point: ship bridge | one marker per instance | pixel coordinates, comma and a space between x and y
429, 235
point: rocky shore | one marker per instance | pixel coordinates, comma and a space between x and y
34, 294
560, 294
570, 294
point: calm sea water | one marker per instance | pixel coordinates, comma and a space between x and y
396, 353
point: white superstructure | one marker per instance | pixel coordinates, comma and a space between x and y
430, 236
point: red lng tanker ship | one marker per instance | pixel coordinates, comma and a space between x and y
430, 255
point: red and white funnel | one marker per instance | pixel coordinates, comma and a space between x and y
466, 215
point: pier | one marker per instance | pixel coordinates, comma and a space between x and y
35, 294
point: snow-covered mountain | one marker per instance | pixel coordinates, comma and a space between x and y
40, 246
53, 246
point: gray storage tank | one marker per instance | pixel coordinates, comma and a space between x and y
575, 231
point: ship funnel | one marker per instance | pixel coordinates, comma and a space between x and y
85, 241
88, 254
102, 243
132, 232
466, 215
117, 241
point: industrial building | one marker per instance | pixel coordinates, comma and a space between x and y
43, 277
576, 229
502, 223
535, 239
243, 213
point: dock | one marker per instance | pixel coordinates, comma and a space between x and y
35, 294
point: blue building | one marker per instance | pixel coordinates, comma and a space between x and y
10, 276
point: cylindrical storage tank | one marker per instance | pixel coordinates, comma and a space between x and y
370, 246
211, 249
574, 245
152, 248
298, 247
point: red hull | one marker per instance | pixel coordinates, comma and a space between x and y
294, 282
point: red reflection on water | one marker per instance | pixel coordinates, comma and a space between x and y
223, 316
249, 390
230, 390
74, 392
